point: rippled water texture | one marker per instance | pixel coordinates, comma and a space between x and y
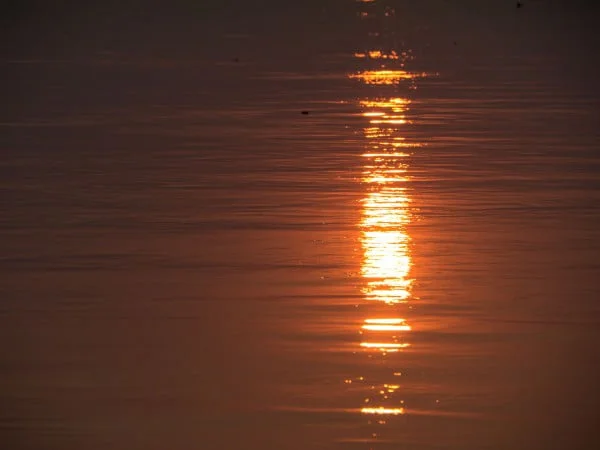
347, 225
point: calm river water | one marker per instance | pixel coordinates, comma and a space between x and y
337, 225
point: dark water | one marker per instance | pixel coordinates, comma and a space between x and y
190, 262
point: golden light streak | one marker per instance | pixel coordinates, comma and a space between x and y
385, 155
383, 179
389, 119
386, 264
384, 76
383, 411
377, 53
386, 261
384, 345
386, 205
386, 327
385, 103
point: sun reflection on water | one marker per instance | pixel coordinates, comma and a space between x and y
386, 212
386, 206
383, 76
386, 244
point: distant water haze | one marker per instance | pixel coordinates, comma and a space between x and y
296, 225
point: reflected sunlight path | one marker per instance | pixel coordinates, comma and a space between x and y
386, 210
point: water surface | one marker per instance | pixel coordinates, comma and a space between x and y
189, 261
